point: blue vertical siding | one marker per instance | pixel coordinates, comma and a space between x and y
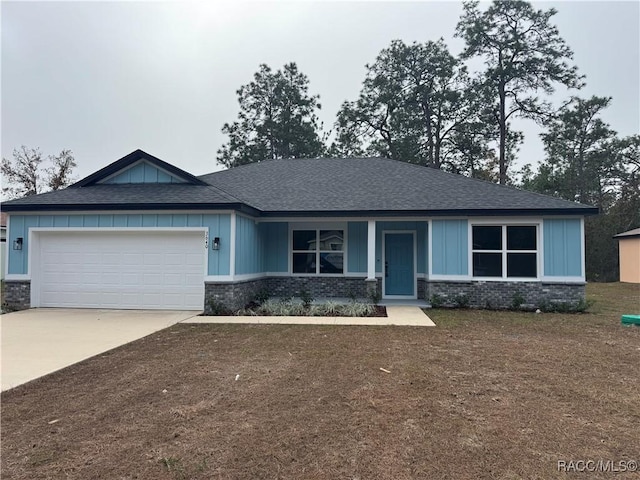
61, 221
150, 220
275, 240
357, 247
143, 173
562, 248
248, 246
422, 238
219, 225
120, 221
105, 221
450, 247
421, 242
17, 258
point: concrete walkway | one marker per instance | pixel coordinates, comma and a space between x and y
39, 341
396, 315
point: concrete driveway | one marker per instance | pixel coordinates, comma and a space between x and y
42, 340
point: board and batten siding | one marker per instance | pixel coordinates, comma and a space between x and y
275, 240
357, 247
450, 247
219, 225
142, 172
562, 244
249, 248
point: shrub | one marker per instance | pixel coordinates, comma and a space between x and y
270, 307
356, 309
262, 296
216, 308
436, 300
517, 301
331, 308
565, 307
305, 296
374, 295
316, 311
461, 301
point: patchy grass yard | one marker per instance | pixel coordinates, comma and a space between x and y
494, 395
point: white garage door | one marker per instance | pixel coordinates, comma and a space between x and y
144, 270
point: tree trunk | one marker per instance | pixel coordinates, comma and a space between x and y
426, 111
502, 161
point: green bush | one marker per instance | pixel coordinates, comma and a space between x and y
216, 308
305, 296
517, 301
331, 308
565, 307
461, 301
356, 309
262, 296
374, 295
436, 300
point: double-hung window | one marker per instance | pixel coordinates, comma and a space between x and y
319, 252
505, 251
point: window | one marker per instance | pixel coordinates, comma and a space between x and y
505, 251
318, 251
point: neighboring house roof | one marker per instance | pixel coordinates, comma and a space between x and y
297, 187
630, 234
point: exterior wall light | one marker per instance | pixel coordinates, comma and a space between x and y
216, 243
17, 243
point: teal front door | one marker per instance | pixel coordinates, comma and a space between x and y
399, 276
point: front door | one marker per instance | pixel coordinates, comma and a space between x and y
399, 277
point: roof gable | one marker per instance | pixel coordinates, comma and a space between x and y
138, 167
141, 172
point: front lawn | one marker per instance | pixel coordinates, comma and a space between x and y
497, 395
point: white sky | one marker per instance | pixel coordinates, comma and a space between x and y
103, 79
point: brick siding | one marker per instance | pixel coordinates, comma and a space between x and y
503, 294
17, 294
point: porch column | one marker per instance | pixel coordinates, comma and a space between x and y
371, 250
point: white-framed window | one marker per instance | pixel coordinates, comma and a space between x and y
505, 251
317, 251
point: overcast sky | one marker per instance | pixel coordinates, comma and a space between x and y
103, 79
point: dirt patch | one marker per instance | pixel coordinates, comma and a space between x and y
483, 395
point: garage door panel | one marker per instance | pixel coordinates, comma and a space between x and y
121, 270
111, 259
89, 278
174, 259
173, 279
191, 260
133, 259
192, 279
153, 279
131, 278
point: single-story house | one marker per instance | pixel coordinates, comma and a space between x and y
629, 252
3, 243
142, 233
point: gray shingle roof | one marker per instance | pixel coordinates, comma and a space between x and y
126, 196
375, 184
323, 186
